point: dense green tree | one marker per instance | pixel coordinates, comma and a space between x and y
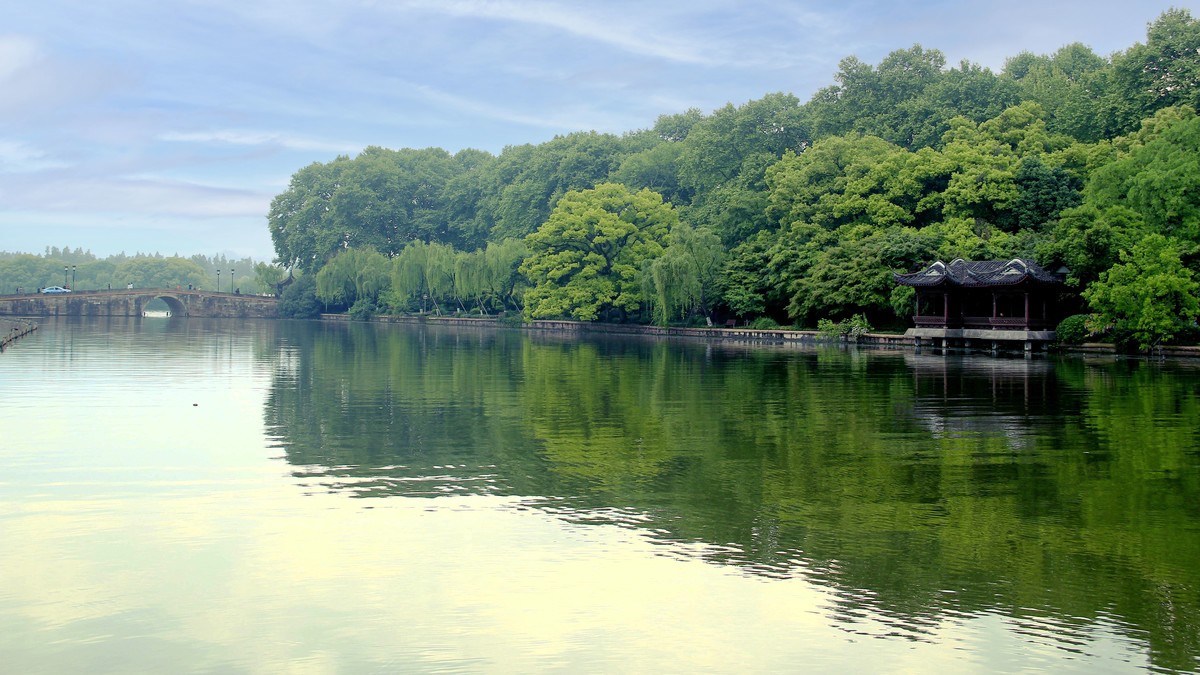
898, 160
1064, 85
586, 260
655, 169
501, 274
736, 209
535, 177
1162, 72
969, 91
1149, 295
716, 149
759, 273
1089, 240
908, 99
810, 187
299, 298
468, 196
422, 276
1159, 177
1043, 192
855, 274
744, 277
675, 128
268, 277
388, 198
381, 199
159, 273
299, 220
29, 273
439, 271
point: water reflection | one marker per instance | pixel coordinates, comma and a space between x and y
528, 503
1061, 496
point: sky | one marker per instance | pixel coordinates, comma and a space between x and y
151, 126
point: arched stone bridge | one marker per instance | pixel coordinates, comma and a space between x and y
132, 302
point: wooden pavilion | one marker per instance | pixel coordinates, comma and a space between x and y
986, 300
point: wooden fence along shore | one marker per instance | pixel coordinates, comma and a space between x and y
13, 329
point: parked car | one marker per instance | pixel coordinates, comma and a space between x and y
55, 289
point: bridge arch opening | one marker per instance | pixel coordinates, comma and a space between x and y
174, 305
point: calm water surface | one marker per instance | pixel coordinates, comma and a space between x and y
202, 496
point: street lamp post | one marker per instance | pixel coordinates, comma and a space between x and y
218, 280
231, 279
65, 268
73, 277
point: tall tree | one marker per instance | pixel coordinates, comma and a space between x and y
1159, 177
586, 260
535, 177
684, 278
1149, 295
1163, 72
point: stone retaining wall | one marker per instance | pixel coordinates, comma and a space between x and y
743, 335
769, 336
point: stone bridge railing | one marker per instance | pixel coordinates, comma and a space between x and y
133, 302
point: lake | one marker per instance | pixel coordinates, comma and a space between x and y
184, 495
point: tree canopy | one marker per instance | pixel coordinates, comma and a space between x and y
586, 260
798, 210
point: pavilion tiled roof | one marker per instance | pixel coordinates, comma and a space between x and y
979, 273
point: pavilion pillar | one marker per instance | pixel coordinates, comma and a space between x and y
946, 309
1026, 310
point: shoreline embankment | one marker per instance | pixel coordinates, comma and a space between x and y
774, 336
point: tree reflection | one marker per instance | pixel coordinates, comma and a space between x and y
920, 488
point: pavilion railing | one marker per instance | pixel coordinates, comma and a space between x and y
986, 322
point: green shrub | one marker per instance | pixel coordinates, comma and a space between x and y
829, 329
510, 320
363, 310
1073, 330
851, 329
856, 327
764, 323
299, 299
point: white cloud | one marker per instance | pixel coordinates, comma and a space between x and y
20, 157
36, 82
576, 119
132, 195
260, 138
17, 53
618, 30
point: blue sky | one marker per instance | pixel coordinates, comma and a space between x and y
139, 125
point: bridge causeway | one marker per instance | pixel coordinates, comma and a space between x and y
133, 302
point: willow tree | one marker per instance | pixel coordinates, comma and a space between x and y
489, 278
683, 279
439, 274
352, 276
423, 273
470, 272
504, 279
